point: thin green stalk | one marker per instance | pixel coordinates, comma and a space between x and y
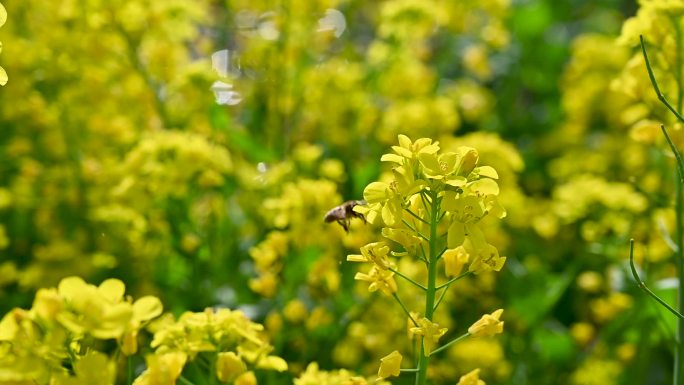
654, 83
424, 360
679, 238
642, 285
414, 230
452, 280
407, 278
439, 349
408, 313
417, 216
185, 381
129, 369
413, 370
679, 235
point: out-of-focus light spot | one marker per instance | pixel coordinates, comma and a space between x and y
245, 19
224, 93
261, 167
267, 27
333, 20
220, 62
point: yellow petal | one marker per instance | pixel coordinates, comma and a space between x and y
112, 289
487, 171
71, 287
3, 77
274, 363
390, 365
147, 308
3, 15
229, 366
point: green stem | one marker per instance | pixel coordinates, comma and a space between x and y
414, 230
424, 360
654, 83
439, 349
408, 370
446, 287
408, 313
679, 238
185, 381
407, 278
642, 285
417, 216
452, 280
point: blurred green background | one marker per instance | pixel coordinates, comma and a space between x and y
192, 148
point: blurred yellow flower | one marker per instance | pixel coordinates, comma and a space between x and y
229, 366
3, 19
471, 378
487, 326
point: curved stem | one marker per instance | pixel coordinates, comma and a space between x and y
414, 230
452, 280
660, 95
416, 216
439, 349
643, 286
408, 313
407, 278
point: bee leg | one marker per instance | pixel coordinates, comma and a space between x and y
344, 223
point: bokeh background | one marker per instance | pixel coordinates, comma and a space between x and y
192, 147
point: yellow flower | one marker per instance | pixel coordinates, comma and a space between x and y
442, 166
376, 252
379, 279
487, 260
410, 150
487, 326
388, 199
247, 378
431, 333
471, 378
162, 369
229, 366
454, 260
390, 365
406, 238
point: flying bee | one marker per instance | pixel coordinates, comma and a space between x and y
344, 213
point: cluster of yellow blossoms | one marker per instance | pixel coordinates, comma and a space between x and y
64, 339
431, 201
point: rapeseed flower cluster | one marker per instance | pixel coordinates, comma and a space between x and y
60, 339
431, 205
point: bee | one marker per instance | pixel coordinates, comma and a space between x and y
344, 213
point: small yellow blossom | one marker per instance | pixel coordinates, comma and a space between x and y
376, 252
379, 279
471, 378
454, 260
410, 150
488, 325
229, 366
247, 378
390, 365
431, 333
487, 260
